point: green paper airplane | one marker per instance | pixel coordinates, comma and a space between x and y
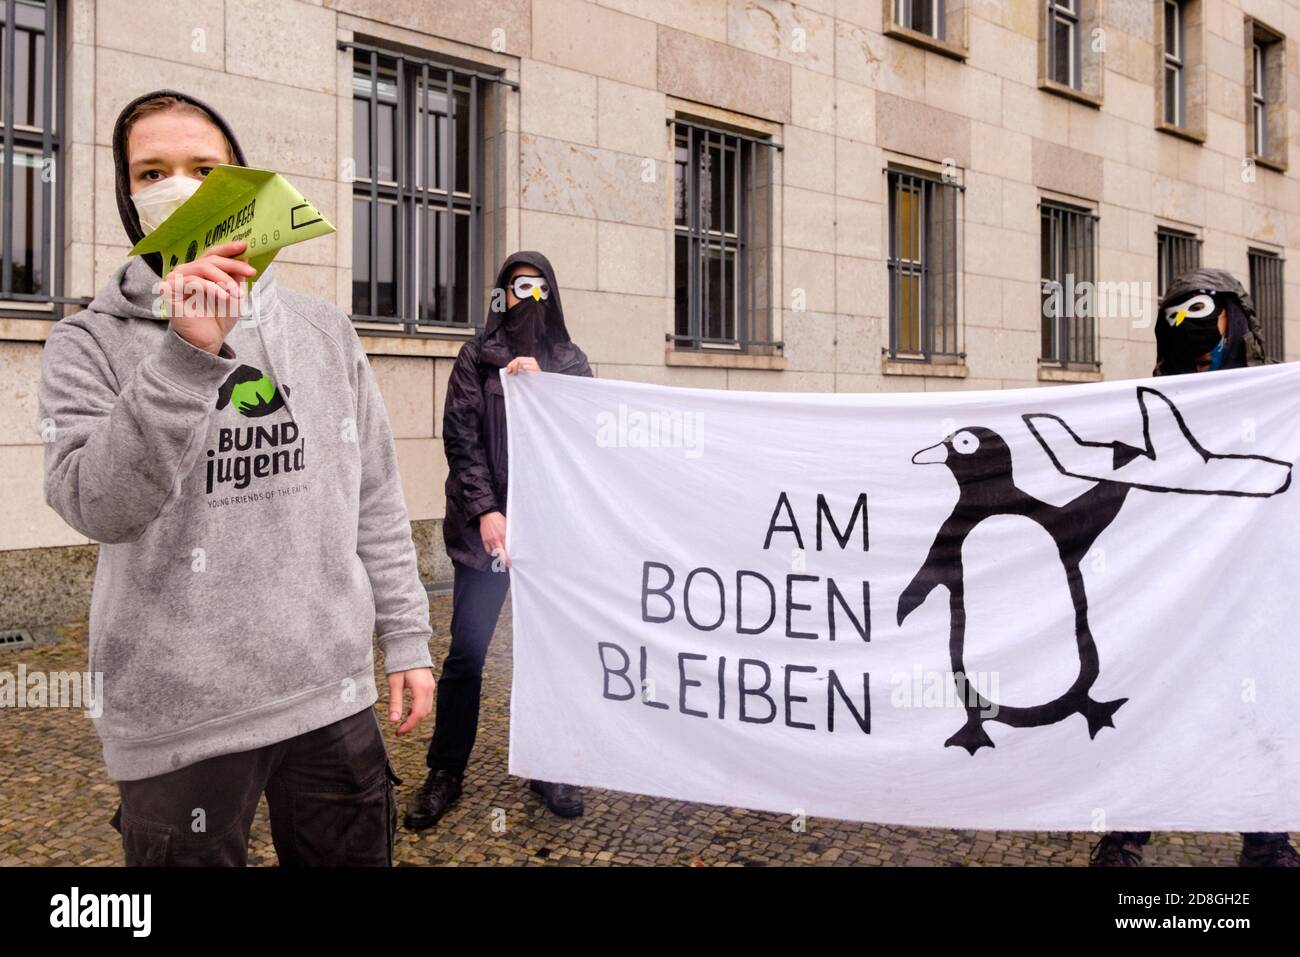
236, 202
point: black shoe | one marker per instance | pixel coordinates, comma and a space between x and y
1268, 854
439, 792
1113, 851
562, 800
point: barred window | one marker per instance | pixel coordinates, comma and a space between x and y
922, 266
417, 196
722, 210
1069, 262
1176, 253
1266, 290
31, 264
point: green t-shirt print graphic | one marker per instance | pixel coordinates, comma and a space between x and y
251, 392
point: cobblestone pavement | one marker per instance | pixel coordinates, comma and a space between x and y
56, 801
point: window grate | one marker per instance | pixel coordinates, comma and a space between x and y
1069, 265
723, 239
31, 119
1176, 253
922, 266
418, 188
1266, 289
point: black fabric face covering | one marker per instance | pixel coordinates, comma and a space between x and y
1187, 343
524, 324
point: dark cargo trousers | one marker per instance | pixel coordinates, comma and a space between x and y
330, 793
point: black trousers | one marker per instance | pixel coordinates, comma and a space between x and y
1247, 840
330, 793
477, 597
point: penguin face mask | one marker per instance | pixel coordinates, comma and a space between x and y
1190, 331
530, 287
1201, 305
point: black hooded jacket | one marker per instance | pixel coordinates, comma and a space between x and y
126, 208
1245, 345
474, 421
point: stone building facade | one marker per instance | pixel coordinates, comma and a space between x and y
823, 195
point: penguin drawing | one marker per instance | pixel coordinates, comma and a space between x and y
980, 460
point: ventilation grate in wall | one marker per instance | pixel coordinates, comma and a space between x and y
14, 639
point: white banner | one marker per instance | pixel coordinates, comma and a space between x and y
1068, 608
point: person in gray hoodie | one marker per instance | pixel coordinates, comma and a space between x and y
230, 450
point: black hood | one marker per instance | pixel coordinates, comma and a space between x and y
555, 328
1245, 332
125, 208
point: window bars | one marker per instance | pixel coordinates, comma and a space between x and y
31, 234
1266, 290
418, 190
922, 266
1069, 267
723, 239
1176, 253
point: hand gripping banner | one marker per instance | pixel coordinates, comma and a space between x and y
1068, 608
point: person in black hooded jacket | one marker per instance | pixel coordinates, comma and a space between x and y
1205, 322
524, 332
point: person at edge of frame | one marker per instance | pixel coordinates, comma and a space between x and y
230, 450
1205, 322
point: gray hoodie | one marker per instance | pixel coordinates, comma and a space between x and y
253, 527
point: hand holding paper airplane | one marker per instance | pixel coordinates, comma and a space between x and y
234, 203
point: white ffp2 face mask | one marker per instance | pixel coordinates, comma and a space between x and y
159, 200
